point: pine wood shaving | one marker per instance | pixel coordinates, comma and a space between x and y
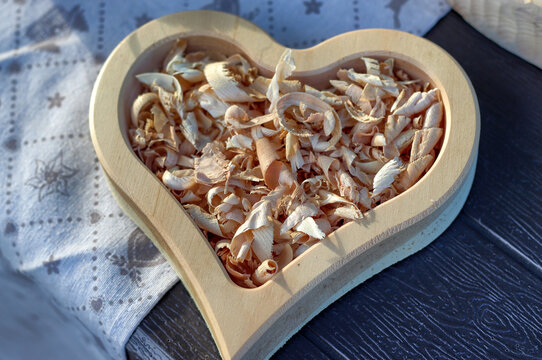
268, 167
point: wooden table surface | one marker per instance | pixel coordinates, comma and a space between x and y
475, 292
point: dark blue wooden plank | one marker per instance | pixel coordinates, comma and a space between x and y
461, 297
299, 347
507, 191
176, 330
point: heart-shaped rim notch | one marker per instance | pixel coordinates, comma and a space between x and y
254, 322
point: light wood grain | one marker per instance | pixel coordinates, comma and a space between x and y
248, 323
516, 25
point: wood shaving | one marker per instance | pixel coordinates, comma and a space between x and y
266, 167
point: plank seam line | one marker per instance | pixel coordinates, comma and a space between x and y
148, 344
327, 348
323, 352
505, 246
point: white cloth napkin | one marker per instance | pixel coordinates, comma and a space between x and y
59, 225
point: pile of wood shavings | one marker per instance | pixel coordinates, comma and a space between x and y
269, 167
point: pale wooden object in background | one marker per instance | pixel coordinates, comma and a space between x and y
516, 25
253, 323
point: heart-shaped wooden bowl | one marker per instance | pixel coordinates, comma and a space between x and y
254, 323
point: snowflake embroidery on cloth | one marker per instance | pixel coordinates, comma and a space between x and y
140, 253
395, 6
126, 268
233, 7
57, 22
55, 101
51, 177
312, 7
51, 265
230, 6
142, 20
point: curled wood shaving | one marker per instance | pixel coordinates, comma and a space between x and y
414, 171
285, 67
418, 102
424, 141
204, 220
309, 227
265, 271
224, 84
262, 245
268, 167
433, 116
386, 176
141, 102
179, 180
164, 81
211, 167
